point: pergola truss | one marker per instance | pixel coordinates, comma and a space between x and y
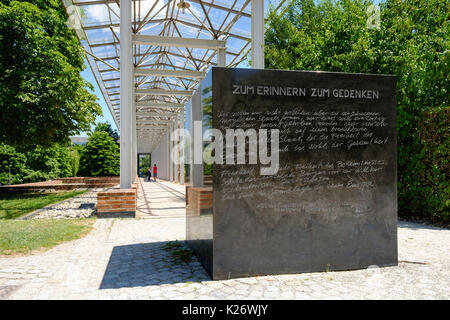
148, 57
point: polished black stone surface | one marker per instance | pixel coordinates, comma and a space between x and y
332, 204
199, 224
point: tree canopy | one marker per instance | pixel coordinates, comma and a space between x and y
100, 156
12, 164
43, 98
36, 164
106, 127
412, 42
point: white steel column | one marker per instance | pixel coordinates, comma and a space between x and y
196, 179
167, 160
126, 96
221, 57
182, 146
175, 152
134, 136
176, 177
172, 143
170, 152
258, 34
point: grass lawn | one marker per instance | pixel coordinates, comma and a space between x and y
22, 237
15, 205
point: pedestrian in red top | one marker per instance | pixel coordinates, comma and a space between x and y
155, 171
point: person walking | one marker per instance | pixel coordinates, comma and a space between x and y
155, 171
149, 173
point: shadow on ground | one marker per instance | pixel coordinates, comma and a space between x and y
147, 264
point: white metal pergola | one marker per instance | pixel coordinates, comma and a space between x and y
148, 57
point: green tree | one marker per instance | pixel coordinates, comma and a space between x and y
106, 127
322, 36
47, 163
100, 156
144, 164
207, 107
74, 161
43, 98
41, 163
12, 165
413, 43
77, 147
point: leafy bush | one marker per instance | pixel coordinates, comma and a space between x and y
74, 162
100, 156
433, 197
36, 165
12, 164
106, 126
412, 43
207, 169
50, 162
30, 176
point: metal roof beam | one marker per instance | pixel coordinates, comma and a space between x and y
155, 114
163, 64
163, 92
169, 73
115, 25
214, 5
220, 7
140, 122
150, 127
152, 104
200, 27
179, 42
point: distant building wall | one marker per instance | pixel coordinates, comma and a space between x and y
79, 140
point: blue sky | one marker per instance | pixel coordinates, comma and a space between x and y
88, 75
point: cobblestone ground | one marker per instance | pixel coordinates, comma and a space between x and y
124, 259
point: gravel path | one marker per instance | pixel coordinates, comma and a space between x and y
82, 206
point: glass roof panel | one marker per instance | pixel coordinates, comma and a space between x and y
97, 23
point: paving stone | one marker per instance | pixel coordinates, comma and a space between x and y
124, 259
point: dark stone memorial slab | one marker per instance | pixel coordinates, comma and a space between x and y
332, 203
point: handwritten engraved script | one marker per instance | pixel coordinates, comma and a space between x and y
316, 133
